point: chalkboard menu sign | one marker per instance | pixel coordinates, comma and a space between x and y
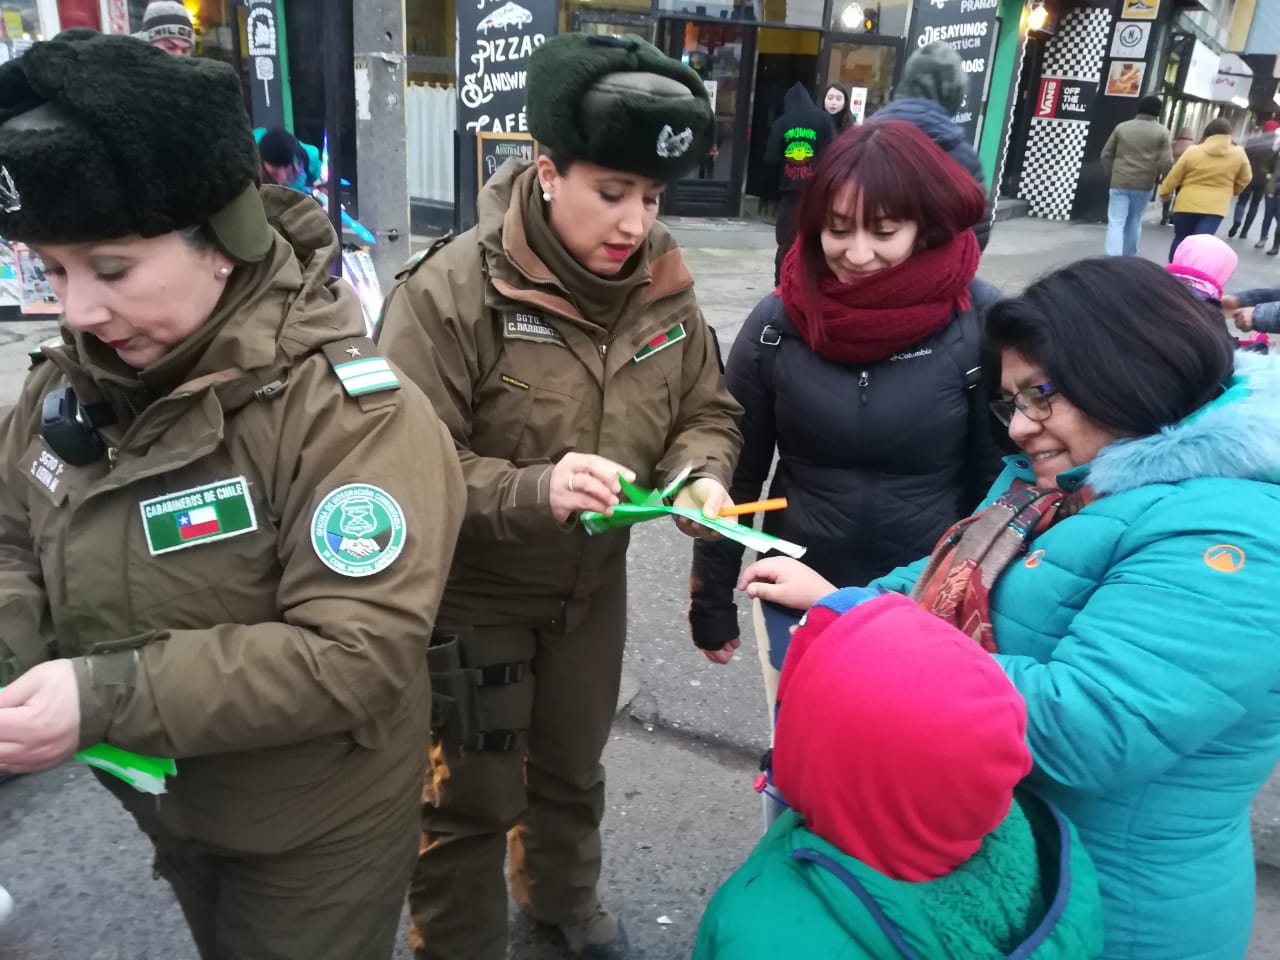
971, 27
266, 84
495, 41
495, 149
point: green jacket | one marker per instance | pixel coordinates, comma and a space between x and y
1029, 891
1137, 154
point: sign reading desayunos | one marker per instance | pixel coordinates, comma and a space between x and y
971, 27
495, 40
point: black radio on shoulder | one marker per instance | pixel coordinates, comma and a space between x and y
70, 428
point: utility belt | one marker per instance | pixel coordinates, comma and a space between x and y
466, 707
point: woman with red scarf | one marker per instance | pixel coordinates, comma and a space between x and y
861, 372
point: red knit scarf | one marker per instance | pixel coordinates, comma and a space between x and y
877, 316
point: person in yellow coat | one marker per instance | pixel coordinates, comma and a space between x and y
1205, 178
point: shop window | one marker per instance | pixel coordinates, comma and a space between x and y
21, 22
610, 17
796, 13
874, 17
431, 101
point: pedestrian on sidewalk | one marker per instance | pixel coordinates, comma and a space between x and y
224, 522
862, 374
1184, 139
930, 93
900, 748
167, 25
1260, 148
1206, 178
1136, 155
836, 102
797, 140
562, 344
1271, 208
1142, 517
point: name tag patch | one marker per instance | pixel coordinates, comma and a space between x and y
660, 342
47, 470
214, 511
530, 326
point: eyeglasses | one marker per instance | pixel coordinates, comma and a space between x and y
1032, 401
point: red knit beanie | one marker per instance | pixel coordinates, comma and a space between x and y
899, 740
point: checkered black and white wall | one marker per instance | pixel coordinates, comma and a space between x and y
1055, 148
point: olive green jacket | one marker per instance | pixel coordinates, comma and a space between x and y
521, 378
293, 696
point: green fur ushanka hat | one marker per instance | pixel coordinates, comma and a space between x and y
620, 103
106, 137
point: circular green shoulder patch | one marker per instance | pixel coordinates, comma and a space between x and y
358, 530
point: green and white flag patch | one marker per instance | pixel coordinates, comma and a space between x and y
366, 375
358, 530
214, 511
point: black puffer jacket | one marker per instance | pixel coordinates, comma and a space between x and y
875, 461
934, 121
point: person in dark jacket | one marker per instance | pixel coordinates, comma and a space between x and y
796, 140
861, 371
1261, 151
930, 93
836, 102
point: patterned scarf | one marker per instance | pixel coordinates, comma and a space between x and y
956, 584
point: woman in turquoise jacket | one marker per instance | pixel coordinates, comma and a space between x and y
1126, 579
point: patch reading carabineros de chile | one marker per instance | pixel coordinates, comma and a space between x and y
358, 530
213, 511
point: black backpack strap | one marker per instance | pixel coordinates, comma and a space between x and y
771, 337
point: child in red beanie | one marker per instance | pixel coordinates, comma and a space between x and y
899, 746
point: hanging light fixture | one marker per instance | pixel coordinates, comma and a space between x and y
851, 17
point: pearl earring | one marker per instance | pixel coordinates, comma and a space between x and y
224, 271
546, 196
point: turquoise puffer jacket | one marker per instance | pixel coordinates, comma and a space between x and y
1144, 633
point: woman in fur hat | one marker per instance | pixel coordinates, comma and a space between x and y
224, 521
562, 344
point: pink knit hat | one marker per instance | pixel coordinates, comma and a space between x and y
1205, 264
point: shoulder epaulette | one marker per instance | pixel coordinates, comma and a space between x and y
360, 367
422, 256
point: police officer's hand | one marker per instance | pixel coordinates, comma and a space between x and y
584, 481
39, 718
706, 495
785, 581
1230, 303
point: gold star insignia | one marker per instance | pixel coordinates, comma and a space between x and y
354, 351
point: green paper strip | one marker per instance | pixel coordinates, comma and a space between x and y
144, 774
627, 514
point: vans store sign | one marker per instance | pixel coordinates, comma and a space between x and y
971, 27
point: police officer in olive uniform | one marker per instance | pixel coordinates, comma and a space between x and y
561, 343
225, 522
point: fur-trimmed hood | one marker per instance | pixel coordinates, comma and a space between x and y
1237, 436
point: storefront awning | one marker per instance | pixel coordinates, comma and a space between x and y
1233, 81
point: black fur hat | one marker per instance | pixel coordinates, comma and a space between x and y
103, 137
620, 103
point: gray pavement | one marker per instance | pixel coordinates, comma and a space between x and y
681, 813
